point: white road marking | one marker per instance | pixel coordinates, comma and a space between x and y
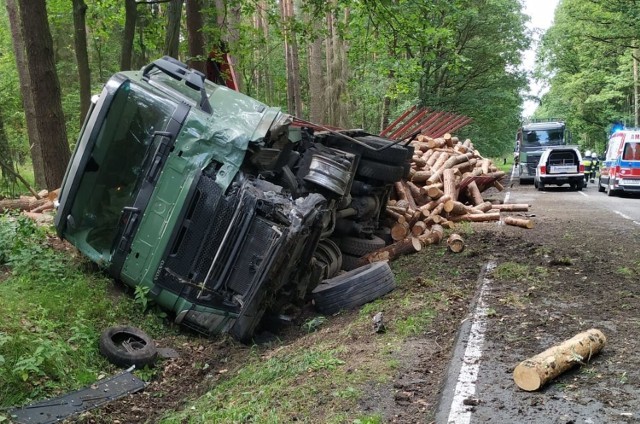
506, 197
584, 194
466, 386
513, 173
627, 217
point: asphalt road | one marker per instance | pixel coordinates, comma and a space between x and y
479, 386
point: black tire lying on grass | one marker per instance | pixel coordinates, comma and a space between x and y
125, 346
353, 288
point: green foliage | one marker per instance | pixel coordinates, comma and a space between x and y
53, 313
589, 67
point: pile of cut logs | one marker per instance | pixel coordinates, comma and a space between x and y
444, 187
35, 207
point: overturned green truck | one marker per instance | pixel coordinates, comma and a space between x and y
225, 209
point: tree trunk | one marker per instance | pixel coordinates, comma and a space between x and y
6, 159
233, 40
195, 37
25, 88
128, 33
24, 204
535, 372
82, 55
455, 243
316, 76
45, 91
172, 36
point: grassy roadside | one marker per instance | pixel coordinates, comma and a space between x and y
55, 309
53, 313
327, 375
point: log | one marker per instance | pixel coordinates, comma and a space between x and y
47, 206
432, 237
484, 217
418, 228
518, 222
432, 191
538, 370
512, 207
474, 193
421, 176
455, 243
454, 207
400, 231
393, 251
23, 204
449, 183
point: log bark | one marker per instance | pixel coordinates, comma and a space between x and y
484, 217
538, 370
518, 222
432, 237
418, 228
393, 251
474, 193
455, 243
24, 204
512, 207
449, 183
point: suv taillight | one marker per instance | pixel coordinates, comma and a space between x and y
616, 170
543, 169
581, 168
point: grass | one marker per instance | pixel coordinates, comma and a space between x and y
53, 315
324, 375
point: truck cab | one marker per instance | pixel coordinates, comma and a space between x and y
531, 140
215, 202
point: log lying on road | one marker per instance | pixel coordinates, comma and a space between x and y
518, 222
535, 372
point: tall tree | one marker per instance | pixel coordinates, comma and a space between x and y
25, 89
195, 35
44, 91
82, 54
128, 34
172, 36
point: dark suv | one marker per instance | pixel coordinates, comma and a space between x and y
222, 207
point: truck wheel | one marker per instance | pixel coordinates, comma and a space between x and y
350, 262
353, 288
126, 346
600, 186
360, 246
540, 186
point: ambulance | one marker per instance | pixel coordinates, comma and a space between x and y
620, 170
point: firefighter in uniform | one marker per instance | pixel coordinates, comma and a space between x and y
586, 161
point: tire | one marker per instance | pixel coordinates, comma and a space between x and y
380, 171
360, 246
600, 187
610, 191
125, 346
540, 186
353, 288
349, 262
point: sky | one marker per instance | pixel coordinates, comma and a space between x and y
541, 13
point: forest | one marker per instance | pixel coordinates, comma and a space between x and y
343, 63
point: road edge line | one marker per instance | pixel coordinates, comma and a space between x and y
460, 382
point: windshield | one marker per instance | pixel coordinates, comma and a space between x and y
550, 137
116, 165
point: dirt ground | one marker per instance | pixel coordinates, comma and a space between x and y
576, 278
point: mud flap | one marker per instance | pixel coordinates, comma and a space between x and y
99, 393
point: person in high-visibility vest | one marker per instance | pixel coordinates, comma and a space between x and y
586, 161
595, 166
